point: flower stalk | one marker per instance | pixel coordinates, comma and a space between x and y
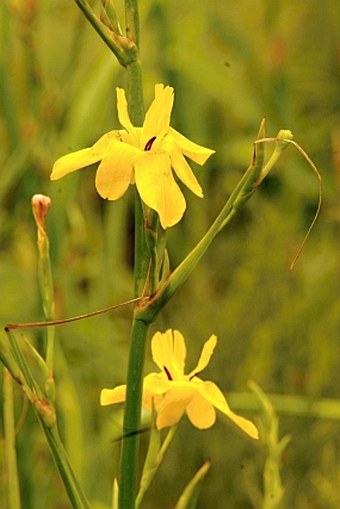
126, 50
74, 491
154, 458
122, 47
14, 500
269, 424
33, 373
39, 393
189, 497
149, 308
40, 207
132, 415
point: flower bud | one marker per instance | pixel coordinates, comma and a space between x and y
40, 207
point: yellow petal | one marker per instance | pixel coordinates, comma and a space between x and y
205, 356
246, 425
85, 157
115, 172
212, 393
173, 406
181, 167
72, 162
156, 383
170, 415
197, 153
106, 143
161, 345
201, 412
168, 350
158, 189
157, 118
110, 396
178, 354
151, 401
122, 108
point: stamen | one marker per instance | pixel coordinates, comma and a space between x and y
149, 144
168, 374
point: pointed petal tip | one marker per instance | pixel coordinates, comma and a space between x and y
252, 430
245, 424
58, 169
57, 175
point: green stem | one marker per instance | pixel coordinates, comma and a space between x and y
40, 403
150, 308
135, 93
122, 47
75, 493
132, 416
154, 457
126, 49
242, 192
132, 21
134, 389
156, 242
47, 293
136, 111
50, 348
14, 501
26, 380
141, 262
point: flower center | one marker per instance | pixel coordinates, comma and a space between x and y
149, 144
167, 372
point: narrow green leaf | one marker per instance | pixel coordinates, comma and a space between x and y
14, 501
189, 497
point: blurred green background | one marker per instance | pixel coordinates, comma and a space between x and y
231, 64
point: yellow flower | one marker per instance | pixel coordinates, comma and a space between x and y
172, 393
144, 156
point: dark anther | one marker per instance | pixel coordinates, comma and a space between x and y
167, 373
149, 144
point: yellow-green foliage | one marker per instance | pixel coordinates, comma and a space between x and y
231, 63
